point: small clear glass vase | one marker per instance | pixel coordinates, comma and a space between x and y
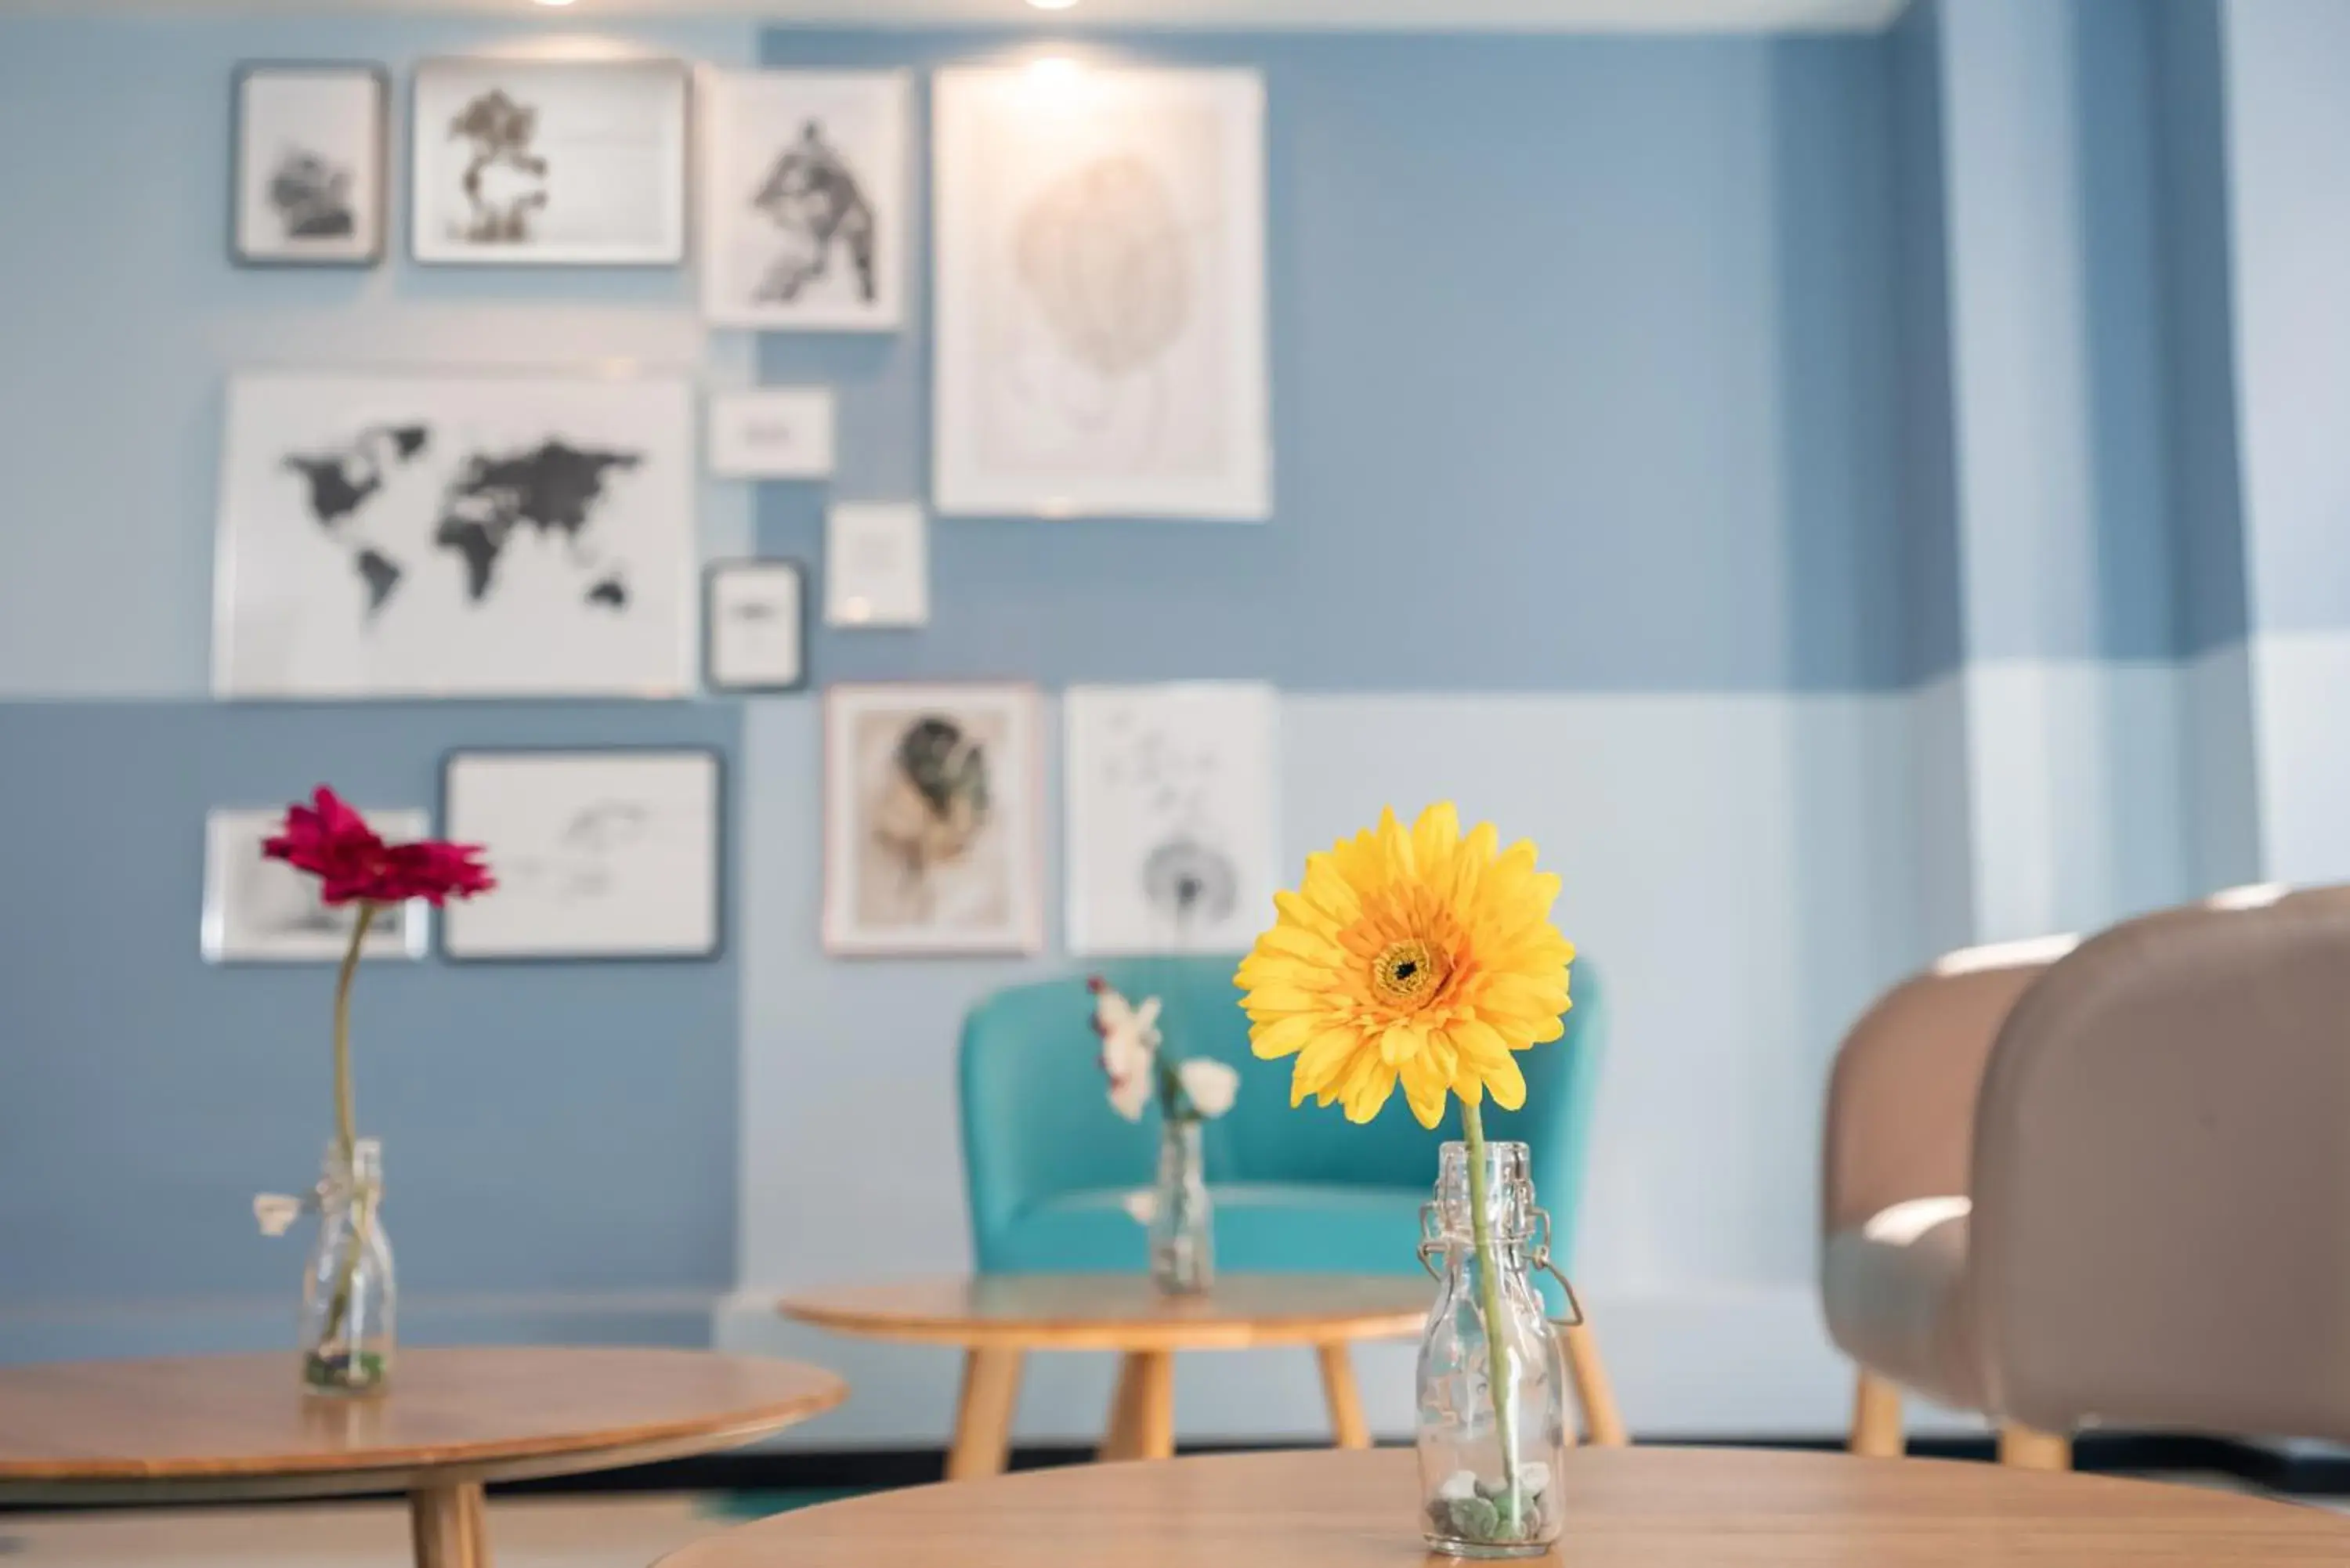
348, 1291
1182, 1221
1492, 1423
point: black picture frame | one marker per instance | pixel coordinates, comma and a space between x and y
721, 883
689, 167
718, 571
380, 77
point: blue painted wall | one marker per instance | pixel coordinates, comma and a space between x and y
1583, 356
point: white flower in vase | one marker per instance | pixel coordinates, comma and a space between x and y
1208, 1086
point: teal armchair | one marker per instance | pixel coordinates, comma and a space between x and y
1048, 1163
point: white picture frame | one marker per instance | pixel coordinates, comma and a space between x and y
756, 617
457, 536
771, 432
259, 910
1100, 292
1172, 818
933, 799
804, 199
599, 854
877, 565
546, 162
310, 164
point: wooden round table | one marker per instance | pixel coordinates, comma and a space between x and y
997, 1318
230, 1427
1625, 1508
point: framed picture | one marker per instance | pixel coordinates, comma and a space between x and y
258, 910
756, 619
610, 854
877, 565
1100, 294
931, 805
804, 199
309, 165
539, 162
775, 432
1174, 822
455, 537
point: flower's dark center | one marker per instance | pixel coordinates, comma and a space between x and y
1405, 971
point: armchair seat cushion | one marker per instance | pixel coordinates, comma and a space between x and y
1261, 1226
1895, 1293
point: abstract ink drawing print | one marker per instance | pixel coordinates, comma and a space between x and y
312, 196
815, 199
504, 181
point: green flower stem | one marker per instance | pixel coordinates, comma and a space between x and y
346, 1121
1501, 1373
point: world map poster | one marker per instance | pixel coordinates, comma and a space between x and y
478, 536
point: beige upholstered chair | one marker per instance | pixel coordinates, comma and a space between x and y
2107, 1186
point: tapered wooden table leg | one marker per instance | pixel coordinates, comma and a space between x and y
1592, 1389
1345, 1400
477, 1525
1154, 1405
1122, 1439
443, 1535
991, 1392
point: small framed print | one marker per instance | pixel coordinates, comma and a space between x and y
259, 910
775, 432
756, 622
309, 165
540, 162
605, 854
931, 807
877, 565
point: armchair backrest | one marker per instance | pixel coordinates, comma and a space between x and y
2161, 1232
1036, 1121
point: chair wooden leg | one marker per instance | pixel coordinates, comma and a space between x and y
1592, 1390
1877, 1418
1347, 1428
1154, 1405
1123, 1438
2026, 1449
440, 1533
991, 1392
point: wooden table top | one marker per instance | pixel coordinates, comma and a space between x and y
242, 1425
1626, 1508
1122, 1312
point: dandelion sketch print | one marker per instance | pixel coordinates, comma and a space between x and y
1171, 816
931, 820
804, 198
1101, 294
540, 161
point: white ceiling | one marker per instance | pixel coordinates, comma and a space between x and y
1530, 16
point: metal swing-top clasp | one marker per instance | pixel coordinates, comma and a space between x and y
1432, 1245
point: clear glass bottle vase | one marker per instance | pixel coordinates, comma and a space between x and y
1492, 1423
1183, 1220
348, 1291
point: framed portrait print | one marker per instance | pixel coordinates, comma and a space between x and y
258, 910
480, 535
538, 162
772, 433
755, 627
1099, 279
804, 199
309, 167
606, 854
931, 809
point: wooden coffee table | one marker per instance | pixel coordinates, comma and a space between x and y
230, 1427
1625, 1508
996, 1319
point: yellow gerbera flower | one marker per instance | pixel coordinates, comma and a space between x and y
1418, 957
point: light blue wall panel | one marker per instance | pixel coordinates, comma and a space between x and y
1583, 357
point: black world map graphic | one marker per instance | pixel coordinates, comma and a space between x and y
553, 488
